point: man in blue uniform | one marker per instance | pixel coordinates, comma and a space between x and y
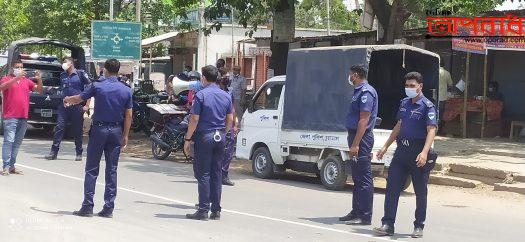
72, 82
414, 133
211, 118
108, 134
361, 120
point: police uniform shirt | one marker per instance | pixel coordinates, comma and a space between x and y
212, 104
112, 99
73, 84
415, 117
364, 100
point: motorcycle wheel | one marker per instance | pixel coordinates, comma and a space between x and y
158, 152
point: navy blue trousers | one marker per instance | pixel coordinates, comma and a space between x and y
209, 155
107, 139
229, 151
404, 164
75, 116
363, 193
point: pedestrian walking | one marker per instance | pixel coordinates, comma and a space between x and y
414, 134
15, 89
211, 118
230, 136
238, 89
72, 82
360, 124
108, 134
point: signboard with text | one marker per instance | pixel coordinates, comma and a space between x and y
118, 40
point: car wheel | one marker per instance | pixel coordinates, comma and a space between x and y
262, 163
333, 173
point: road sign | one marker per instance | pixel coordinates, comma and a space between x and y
119, 40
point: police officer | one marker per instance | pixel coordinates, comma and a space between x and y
414, 133
229, 151
211, 118
108, 134
72, 82
360, 124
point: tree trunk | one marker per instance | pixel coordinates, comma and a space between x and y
282, 34
391, 17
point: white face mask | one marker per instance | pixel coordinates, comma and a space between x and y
350, 81
411, 92
65, 66
17, 72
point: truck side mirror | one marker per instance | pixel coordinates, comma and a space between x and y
378, 121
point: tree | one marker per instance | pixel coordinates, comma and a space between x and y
313, 14
70, 21
393, 14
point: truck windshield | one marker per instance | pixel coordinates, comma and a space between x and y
268, 98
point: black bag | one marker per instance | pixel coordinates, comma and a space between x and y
431, 160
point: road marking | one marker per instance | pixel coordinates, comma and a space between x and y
224, 210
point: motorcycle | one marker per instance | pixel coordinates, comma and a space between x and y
141, 111
170, 123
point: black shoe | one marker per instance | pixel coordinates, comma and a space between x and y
358, 221
418, 233
198, 215
384, 230
105, 214
52, 156
78, 158
215, 215
83, 213
347, 217
227, 182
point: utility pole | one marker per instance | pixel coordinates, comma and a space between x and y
328, 17
233, 40
137, 12
201, 55
137, 19
111, 3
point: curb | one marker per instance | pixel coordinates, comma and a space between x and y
516, 187
453, 181
478, 171
519, 178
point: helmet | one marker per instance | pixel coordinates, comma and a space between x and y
195, 75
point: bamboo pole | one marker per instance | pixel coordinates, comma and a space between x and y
465, 97
485, 83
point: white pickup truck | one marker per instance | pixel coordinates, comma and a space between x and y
297, 121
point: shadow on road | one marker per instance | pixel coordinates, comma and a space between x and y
171, 205
324, 220
52, 212
373, 234
177, 216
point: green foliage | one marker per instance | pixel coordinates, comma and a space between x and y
313, 14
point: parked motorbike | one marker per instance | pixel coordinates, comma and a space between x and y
141, 111
170, 124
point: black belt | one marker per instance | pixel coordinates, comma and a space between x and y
411, 142
100, 123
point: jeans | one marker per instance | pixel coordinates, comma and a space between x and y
14, 132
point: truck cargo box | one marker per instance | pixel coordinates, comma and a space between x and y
318, 94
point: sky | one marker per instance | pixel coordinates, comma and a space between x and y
507, 5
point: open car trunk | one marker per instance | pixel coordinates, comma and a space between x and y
318, 95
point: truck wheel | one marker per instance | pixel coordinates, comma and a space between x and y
262, 163
333, 173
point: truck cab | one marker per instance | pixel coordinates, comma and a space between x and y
291, 123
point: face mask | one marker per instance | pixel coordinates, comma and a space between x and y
17, 72
350, 81
411, 92
65, 66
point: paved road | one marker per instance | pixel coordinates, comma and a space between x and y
154, 196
